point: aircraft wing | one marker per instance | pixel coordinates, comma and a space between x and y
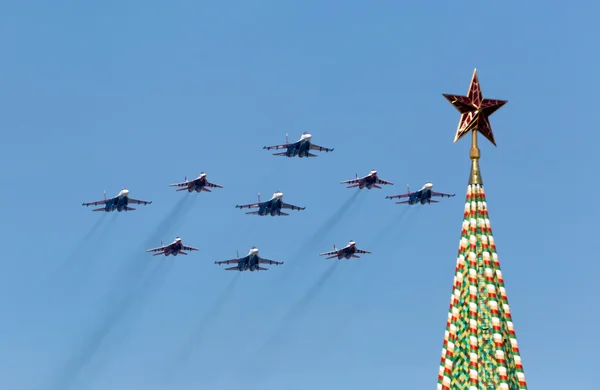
250, 205
156, 249
320, 148
182, 184
96, 203
271, 262
232, 261
433, 193
353, 181
189, 248
135, 201
362, 251
291, 206
329, 253
379, 181
399, 196
276, 147
213, 185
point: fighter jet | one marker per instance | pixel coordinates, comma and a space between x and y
251, 262
119, 202
198, 184
175, 248
422, 196
369, 181
272, 206
348, 251
300, 148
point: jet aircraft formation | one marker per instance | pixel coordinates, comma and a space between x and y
273, 207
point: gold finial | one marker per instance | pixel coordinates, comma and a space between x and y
475, 177
475, 111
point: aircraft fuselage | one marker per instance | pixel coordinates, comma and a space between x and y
300, 149
347, 252
248, 263
272, 207
422, 196
173, 249
197, 185
368, 182
119, 203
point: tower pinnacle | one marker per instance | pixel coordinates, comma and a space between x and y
480, 349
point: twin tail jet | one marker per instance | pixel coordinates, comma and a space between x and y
369, 181
348, 251
120, 202
175, 248
251, 262
198, 184
272, 206
300, 148
422, 196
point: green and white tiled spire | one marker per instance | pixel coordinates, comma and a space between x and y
480, 346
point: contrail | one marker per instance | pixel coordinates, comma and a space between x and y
317, 238
128, 287
82, 244
199, 331
298, 308
288, 320
385, 231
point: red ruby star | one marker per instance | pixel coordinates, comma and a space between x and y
474, 110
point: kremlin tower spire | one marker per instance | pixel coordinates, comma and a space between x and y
480, 346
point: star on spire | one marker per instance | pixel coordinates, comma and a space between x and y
475, 111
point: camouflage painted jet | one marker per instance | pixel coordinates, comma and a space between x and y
251, 262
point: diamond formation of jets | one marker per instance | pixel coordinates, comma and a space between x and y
120, 202
272, 206
422, 196
198, 184
175, 248
251, 262
300, 148
369, 181
348, 251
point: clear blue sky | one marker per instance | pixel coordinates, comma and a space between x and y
95, 96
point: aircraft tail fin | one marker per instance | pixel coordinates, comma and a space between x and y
104, 195
182, 253
262, 269
282, 213
334, 247
158, 254
311, 155
259, 197
376, 186
232, 269
286, 139
206, 189
408, 189
237, 254
99, 209
357, 257
330, 257
403, 202
129, 208
279, 154
252, 212
433, 201
353, 186
182, 189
